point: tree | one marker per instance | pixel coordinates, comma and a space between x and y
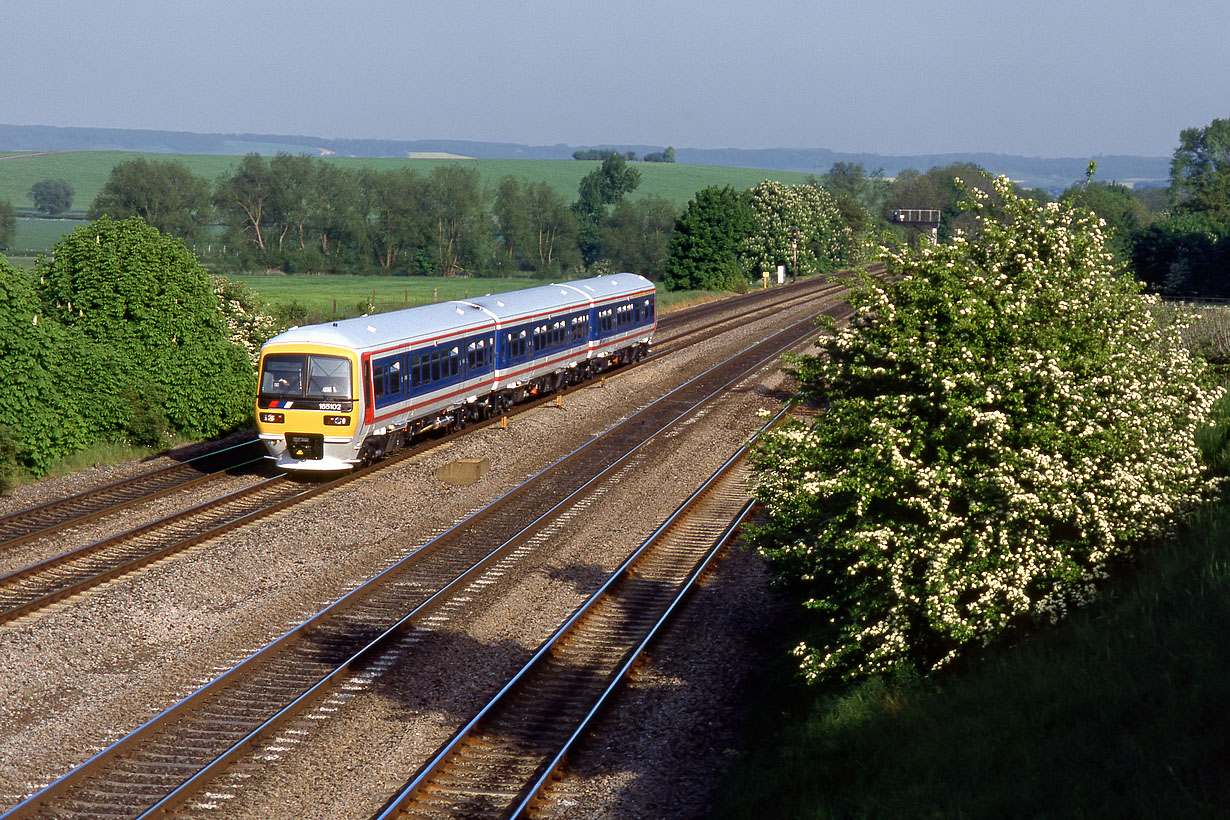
1187, 254
1200, 170
8, 224
704, 249
637, 235
52, 196
798, 226
660, 156
144, 310
167, 195
37, 425
538, 229
861, 199
335, 219
1124, 213
395, 208
599, 189
246, 201
1006, 419
455, 208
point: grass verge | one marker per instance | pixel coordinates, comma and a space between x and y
1123, 711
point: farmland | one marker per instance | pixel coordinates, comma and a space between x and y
325, 297
87, 172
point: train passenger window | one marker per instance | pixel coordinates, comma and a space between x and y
377, 381
518, 344
476, 355
580, 328
328, 377
454, 361
435, 366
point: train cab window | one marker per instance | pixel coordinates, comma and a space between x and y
301, 375
328, 377
282, 374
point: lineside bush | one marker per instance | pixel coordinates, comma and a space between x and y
145, 321
1006, 420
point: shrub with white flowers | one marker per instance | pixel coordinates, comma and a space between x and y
243, 318
823, 242
1005, 421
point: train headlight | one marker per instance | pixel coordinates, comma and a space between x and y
273, 418
337, 421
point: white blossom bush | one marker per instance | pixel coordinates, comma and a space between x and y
824, 241
246, 325
1006, 420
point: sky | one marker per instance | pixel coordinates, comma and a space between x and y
1049, 78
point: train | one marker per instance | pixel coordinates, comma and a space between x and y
337, 395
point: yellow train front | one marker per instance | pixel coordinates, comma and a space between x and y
309, 405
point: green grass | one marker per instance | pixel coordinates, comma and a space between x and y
1121, 712
42, 234
328, 297
87, 172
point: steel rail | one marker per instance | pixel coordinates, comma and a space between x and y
504, 701
70, 511
55, 515
66, 782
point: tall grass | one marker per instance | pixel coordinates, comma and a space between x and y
1122, 711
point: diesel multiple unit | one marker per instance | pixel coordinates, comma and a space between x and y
338, 394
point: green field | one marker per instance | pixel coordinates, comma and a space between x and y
326, 296
87, 172
41, 234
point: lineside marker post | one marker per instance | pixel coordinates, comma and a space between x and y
559, 400
503, 422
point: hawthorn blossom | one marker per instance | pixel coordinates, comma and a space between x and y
1006, 419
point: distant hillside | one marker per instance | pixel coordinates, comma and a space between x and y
1053, 174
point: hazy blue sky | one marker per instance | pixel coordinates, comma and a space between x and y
1042, 77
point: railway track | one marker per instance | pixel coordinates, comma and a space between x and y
53, 516
45, 519
229, 718
501, 762
28, 589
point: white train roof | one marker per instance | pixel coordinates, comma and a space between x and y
420, 324
518, 304
383, 329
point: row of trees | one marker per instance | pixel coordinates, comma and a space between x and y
666, 155
297, 213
